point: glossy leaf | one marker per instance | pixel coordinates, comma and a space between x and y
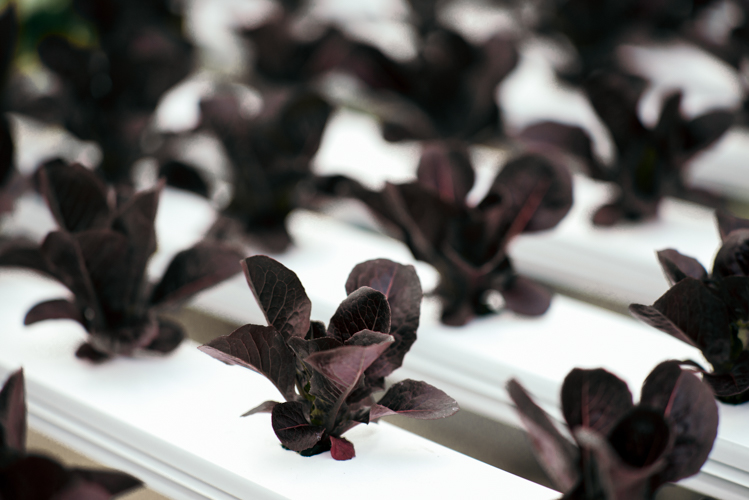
614, 478
260, 348
13, 413
540, 191
689, 407
264, 407
698, 313
402, 287
524, 296
732, 258
677, 266
337, 373
280, 295
364, 309
291, 423
341, 448
595, 399
447, 170
557, 455
414, 399
196, 269
64, 255
76, 196
728, 223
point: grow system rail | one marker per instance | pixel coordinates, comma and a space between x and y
174, 422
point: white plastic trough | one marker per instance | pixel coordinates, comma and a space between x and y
174, 422
474, 363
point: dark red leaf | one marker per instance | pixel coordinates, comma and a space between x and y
641, 437
291, 423
32, 477
280, 295
557, 456
53, 309
264, 407
169, 337
615, 97
61, 250
367, 337
136, 221
446, 169
732, 258
402, 287
22, 253
364, 309
7, 148
728, 223
608, 474
657, 319
76, 196
113, 482
337, 373
677, 266
703, 317
341, 448
733, 383
108, 260
595, 399
608, 215
260, 348
13, 413
704, 130
90, 353
414, 399
196, 269
524, 296
689, 407
540, 192
8, 34
556, 137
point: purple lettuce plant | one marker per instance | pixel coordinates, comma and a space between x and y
649, 162
622, 451
270, 154
108, 92
710, 311
447, 91
9, 189
100, 254
468, 244
26, 475
327, 376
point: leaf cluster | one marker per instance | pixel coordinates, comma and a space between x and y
270, 154
33, 476
596, 29
468, 244
649, 162
447, 90
327, 375
710, 311
108, 92
8, 36
100, 253
623, 451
